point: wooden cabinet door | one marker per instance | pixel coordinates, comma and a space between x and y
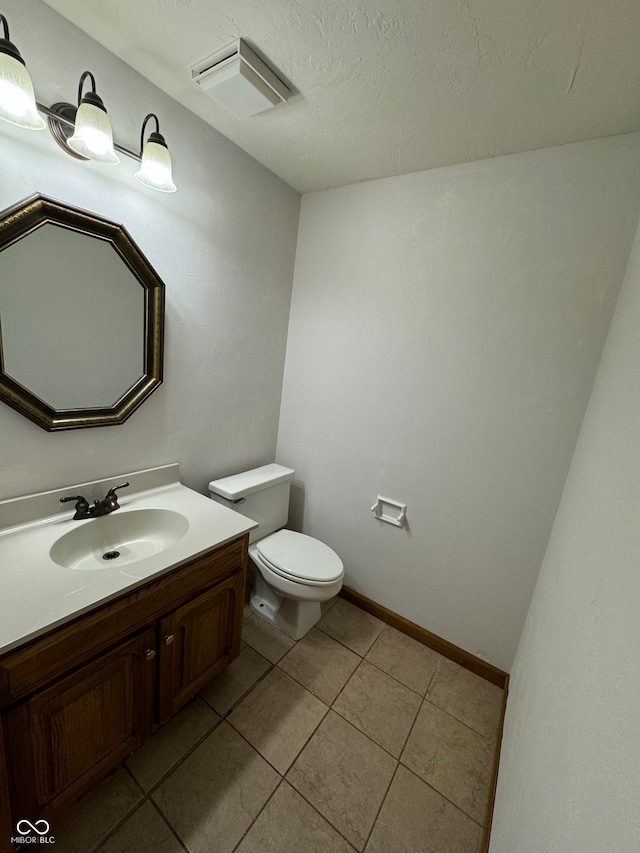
6, 825
64, 739
197, 641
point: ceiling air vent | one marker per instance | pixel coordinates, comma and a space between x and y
239, 81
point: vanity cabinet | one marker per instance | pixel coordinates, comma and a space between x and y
77, 701
63, 738
6, 828
196, 642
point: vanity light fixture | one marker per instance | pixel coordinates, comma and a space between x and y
155, 166
92, 137
83, 132
17, 100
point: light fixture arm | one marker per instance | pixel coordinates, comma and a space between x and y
84, 76
7, 46
144, 124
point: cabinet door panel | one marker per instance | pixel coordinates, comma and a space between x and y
6, 826
197, 641
65, 738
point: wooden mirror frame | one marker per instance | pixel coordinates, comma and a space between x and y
22, 219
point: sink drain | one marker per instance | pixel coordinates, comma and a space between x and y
111, 555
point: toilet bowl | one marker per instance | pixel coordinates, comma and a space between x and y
294, 572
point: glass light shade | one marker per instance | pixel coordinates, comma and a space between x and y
155, 168
17, 100
92, 136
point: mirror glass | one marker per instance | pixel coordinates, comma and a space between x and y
72, 318
81, 317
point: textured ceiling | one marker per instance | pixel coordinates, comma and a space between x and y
386, 87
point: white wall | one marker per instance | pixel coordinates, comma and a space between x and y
224, 245
445, 331
570, 769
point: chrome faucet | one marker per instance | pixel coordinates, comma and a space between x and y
103, 507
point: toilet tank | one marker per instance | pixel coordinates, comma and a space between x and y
261, 494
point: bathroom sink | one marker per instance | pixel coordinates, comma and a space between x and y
53, 567
121, 537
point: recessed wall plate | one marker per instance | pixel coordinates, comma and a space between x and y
240, 81
390, 511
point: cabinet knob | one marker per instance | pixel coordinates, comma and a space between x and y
150, 654
169, 639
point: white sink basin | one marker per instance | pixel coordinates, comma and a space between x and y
123, 536
52, 567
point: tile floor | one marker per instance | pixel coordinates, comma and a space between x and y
354, 738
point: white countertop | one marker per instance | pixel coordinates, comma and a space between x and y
37, 594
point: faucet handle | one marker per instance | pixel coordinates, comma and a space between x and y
112, 491
82, 506
80, 501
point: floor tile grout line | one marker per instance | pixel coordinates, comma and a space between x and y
440, 793
285, 781
373, 740
419, 777
129, 814
388, 674
117, 826
444, 796
371, 663
375, 744
428, 699
331, 706
491, 743
265, 804
431, 680
250, 745
292, 763
317, 625
307, 688
135, 781
221, 718
173, 830
154, 787
317, 811
283, 778
362, 658
246, 693
262, 654
297, 755
383, 801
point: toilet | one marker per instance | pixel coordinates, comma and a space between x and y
294, 572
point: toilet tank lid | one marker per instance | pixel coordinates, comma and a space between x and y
241, 485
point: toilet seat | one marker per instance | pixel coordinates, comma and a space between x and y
300, 558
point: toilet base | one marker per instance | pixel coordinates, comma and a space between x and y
295, 618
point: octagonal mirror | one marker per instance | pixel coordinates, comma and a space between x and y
81, 317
